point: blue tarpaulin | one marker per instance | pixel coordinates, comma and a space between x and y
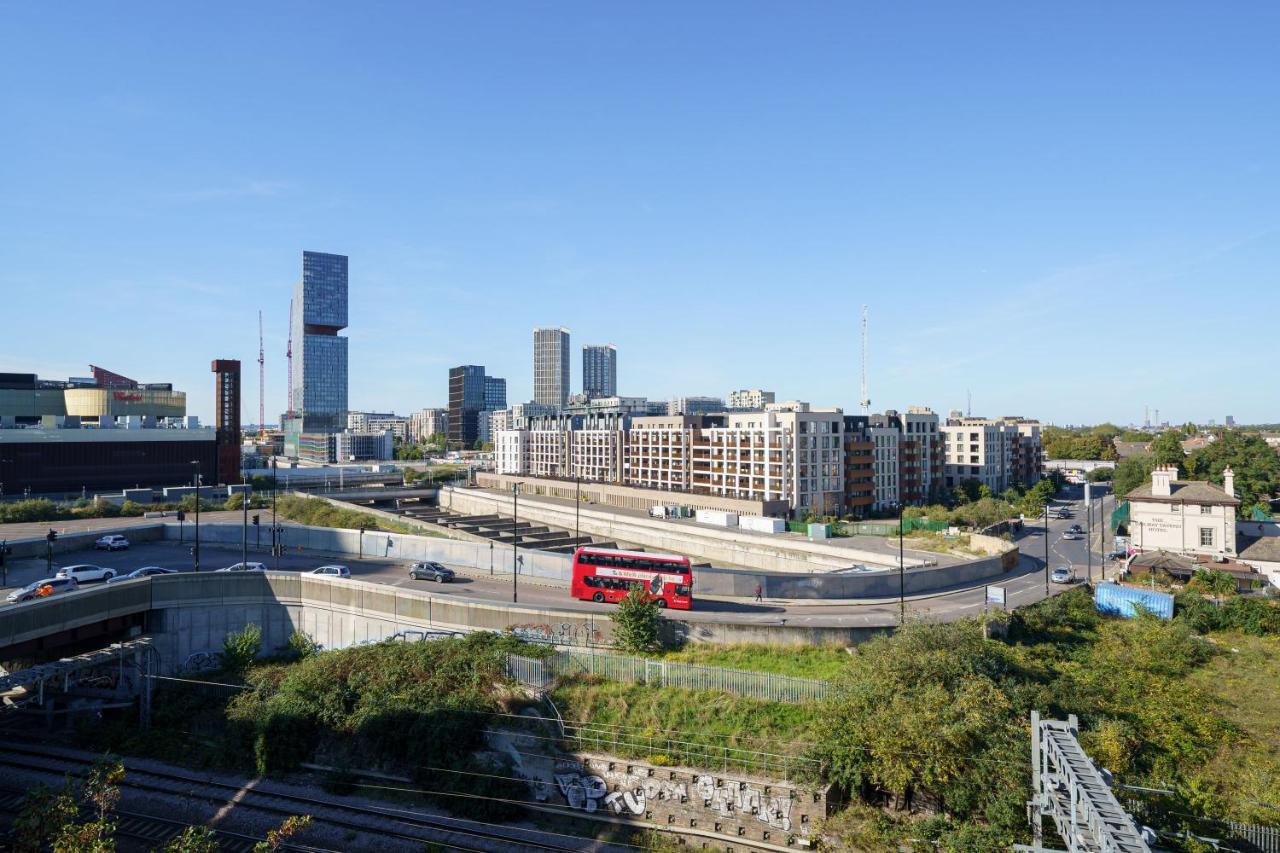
1117, 600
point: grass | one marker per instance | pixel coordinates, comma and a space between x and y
315, 512
676, 726
823, 663
1247, 684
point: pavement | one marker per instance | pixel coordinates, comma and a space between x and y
1024, 585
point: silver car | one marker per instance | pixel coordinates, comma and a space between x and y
332, 571
245, 567
43, 589
1062, 574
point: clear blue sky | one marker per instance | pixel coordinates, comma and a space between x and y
1069, 209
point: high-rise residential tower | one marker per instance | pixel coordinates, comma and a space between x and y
551, 367
600, 370
320, 353
466, 403
227, 419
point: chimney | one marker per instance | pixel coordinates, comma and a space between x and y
1229, 481
1162, 480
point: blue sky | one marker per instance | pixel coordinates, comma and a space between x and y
1070, 210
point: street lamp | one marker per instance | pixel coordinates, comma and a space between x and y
515, 541
1046, 549
275, 530
577, 509
195, 552
902, 577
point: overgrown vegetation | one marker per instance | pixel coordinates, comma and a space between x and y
315, 512
821, 662
636, 622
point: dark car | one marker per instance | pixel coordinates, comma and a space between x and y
1075, 528
144, 572
428, 570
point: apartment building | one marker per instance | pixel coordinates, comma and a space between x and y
659, 452
859, 466
920, 453
511, 451
425, 423
749, 399
551, 366
695, 406
378, 422
596, 453
998, 452
885, 433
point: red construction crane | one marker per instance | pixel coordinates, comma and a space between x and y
262, 382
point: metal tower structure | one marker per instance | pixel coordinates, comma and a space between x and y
288, 354
865, 402
262, 381
1069, 788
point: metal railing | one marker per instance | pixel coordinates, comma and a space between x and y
540, 673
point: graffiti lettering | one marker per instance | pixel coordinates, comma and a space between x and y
744, 798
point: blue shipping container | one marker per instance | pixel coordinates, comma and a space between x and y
1116, 600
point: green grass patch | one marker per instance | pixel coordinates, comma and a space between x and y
315, 512
820, 662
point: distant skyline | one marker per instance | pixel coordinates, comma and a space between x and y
1071, 212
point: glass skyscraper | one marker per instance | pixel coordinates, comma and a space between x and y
467, 389
319, 352
600, 370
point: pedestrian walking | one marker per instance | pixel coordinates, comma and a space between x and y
759, 592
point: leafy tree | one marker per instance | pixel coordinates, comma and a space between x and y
291, 826
1132, 472
194, 839
1101, 475
636, 622
241, 649
1255, 465
1212, 581
41, 817
1167, 449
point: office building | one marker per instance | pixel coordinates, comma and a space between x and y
749, 400
319, 393
551, 366
495, 393
425, 423
227, 419
599, 370
466, 402
695, 406
58, 437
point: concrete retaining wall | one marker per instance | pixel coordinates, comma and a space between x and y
732, 547
67, 542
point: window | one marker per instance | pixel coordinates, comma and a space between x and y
1206, 537
1206, 510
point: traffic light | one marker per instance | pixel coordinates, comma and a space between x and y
255, 519
182, 516
51, 536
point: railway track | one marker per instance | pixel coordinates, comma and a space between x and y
386, 822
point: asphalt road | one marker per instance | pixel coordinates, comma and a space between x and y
1025, 585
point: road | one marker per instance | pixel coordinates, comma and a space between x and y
1084, 557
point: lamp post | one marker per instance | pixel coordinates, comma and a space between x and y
275, 530
515, 541
577, 510
1046, 549
902, 577
244, 528
195, 552
1088, 537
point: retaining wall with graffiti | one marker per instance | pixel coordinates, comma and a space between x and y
738, 808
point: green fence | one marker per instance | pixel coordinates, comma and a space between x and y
890, 527
1119, 516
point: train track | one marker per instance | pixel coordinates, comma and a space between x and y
403, 824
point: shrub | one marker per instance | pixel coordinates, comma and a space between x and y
132, 508
242, 648
636, 622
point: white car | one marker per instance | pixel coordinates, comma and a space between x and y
333, 571
85, 572
112, 542
245, 567
1062, 574
1070, 535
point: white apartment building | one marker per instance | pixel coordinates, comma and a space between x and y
596, 454
511, 451
1184, 517
659, 451
367, 445
980, 449
793, 456
425, 423
749, 399
787, 406
378, 422
548, 454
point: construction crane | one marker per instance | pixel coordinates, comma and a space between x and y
288, 354
262, 382
865, 402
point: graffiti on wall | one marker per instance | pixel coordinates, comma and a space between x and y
561, 633
636, 792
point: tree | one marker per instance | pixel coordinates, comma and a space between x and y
637, 621
292, 826
1132, 472
1101, 475
1167, 449
194, 839
241, 649
1255, 465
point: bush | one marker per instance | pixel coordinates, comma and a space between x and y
132, 509
241, 649
636, 622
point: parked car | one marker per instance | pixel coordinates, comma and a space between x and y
332, 571
43, 589
1118, 555
431, 571
84, 572
112, 542
144, 572
1062, 574
245, 567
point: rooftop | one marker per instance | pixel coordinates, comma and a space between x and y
1186, 491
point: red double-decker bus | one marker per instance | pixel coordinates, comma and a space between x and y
607, 574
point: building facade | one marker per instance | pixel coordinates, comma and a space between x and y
318, 398
999, 453
227, 418
749, 399
466, 402
1184, 517
551, 366
599, 370
695, 406
425, 423
379, 422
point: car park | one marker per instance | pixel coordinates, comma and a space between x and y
1062, 574
43, 589
112, 542
84, 572
333, 571
144, 572
245, 567
429, 570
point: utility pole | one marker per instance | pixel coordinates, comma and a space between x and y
515, 542
577, 510
244, 528
195, 552
902, 578
275, 529
1046, 550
